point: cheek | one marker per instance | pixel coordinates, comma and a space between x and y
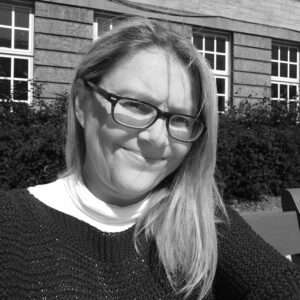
181, 150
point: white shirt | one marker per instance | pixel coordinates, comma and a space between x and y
70, 196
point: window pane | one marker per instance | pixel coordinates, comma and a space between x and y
21, 39
210, 58
5, 66
284, 53
103, 25
283, 70
198, 42
293, 54
221, 103
5, 37
20, 90
220, 85
274, 52
293, 71
209, 43
5, 15
221, 45
22, 17
107, 23
283, 91
293, 92
21, 68
4, 89
274, 90
274, 69
221, 62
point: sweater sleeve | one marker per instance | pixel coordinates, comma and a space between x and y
249, 268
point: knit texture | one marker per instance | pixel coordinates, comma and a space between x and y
46, 254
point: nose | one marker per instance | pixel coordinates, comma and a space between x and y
156, 134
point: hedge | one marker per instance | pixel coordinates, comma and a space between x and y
258, 147
31, 142
258, 150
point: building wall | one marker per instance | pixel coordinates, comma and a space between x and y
277, 13
64, 29
251, 76
62, 34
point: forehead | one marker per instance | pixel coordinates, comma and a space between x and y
154, 75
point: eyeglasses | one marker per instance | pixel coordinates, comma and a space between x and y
138, 114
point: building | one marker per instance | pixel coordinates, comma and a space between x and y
253, 46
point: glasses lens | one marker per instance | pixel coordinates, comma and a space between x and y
185, 128
134, 113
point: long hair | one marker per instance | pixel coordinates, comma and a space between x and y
181, 214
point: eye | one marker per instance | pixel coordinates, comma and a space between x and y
182, 121
136, 107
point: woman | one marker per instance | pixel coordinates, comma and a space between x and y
137, 214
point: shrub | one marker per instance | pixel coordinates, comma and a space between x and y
258, 151
31, 142
258, 147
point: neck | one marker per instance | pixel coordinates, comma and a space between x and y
107, 195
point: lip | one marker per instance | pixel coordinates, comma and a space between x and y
144, 155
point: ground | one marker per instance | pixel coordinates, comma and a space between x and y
268, 203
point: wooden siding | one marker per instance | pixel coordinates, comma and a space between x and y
64, 28
56, 59
273, 18
62, 12
62, 43
182, 29
263, 67
250, 92
277, 13
62, 35
251, 53
54, 75
251, 72
53, 90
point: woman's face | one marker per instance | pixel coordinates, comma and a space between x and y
123, 164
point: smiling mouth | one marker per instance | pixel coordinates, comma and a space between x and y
145, 155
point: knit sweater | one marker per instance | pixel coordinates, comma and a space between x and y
46, 254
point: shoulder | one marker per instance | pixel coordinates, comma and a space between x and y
17, 206
249, 267
12, 201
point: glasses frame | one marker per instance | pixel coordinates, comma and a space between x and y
114, 99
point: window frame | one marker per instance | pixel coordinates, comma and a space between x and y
279, 80
26, 54
226, 74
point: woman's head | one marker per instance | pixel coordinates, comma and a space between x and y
141, 60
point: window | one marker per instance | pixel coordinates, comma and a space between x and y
285, 74
104, 22
215, 48
16, 33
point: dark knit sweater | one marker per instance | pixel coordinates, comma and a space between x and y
46, 254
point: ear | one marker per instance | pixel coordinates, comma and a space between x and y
80, 111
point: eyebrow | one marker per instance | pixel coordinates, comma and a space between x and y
135, 94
